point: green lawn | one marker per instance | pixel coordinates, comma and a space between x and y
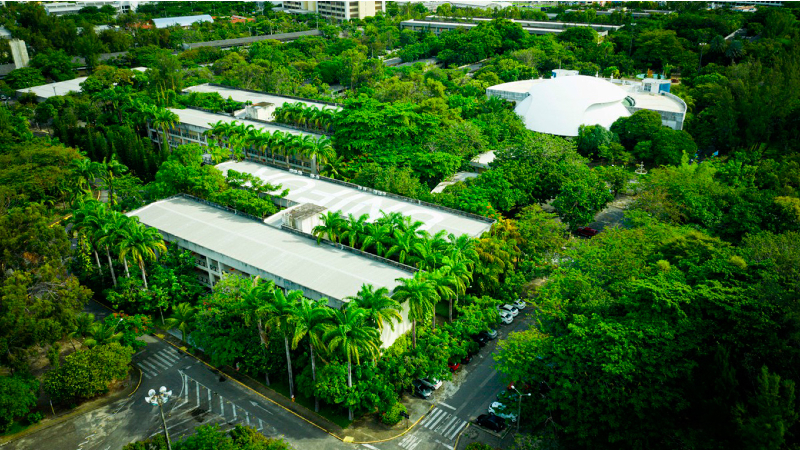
333, 413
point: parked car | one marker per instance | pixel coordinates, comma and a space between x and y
420, 390
506, 317
491, 422
514, 311
454, 365
519, 304
431, 383
490, 334
481, 340
500, 410
466, 359
586, 232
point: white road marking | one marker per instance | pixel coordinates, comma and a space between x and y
370, 446
486, 381
260, 425
221, 407
149, 366
197, 387
456, 431
446, 405
431, 416
434, 422
443, 427
163, 360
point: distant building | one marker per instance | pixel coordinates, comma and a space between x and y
438, 25
183, 21
560, 105
339, 11
64, 8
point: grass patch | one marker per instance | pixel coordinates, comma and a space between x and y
333, 413
17, 426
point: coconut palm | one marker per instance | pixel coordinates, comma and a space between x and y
88, 218
183, 318
255, 308
121, 226
376, 237
283, 311
331, 226
82, 327
418, 292
462, 247
164, 120
101, 334
320, 151
141, 243
354, 229
350, 335
106, 237
403, 246
442, 282
310, 319
461, 276
86, 173
381, 309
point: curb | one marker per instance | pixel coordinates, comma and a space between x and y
458, 438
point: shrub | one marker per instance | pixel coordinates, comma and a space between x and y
87, 373
35, 417
478, 446
393, 414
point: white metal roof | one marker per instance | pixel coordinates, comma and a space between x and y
61, 87
351, 200
239, 95
183, 21
332, 272
561, 105
204, 119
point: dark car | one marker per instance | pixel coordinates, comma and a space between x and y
586, 232
481, 339
488, 335
420, 390
491, 422
466, 359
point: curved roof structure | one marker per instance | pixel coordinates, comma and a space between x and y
561, 105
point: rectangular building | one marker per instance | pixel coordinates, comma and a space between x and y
438, 26
339, 11
349, 198
193, 123
224, 242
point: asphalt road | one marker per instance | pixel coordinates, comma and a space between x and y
201, 396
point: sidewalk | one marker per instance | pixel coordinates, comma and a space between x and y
130, 386
367, 429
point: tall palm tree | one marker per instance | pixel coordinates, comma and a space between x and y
442, 282
112, 169
121, 226
164, 120
462, 246
461, 276
255, 308
141, 243
86, 173
320, 151
403, 246
310, 319
381, 309
87, 219
183, 318
354, 229
349, 334
418, 292
331, 226
283, 309
106, 236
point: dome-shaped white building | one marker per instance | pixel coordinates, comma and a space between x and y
560, 105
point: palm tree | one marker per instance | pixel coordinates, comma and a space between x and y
111, 169
335, 168
320, 151
461, 277
255, 307
462, 246
86, 172
164, 120
82, 327
101, 334
141, 243
442, 282
310, 319
418, 292
377, 236
87, 219
283, 312
121, 224
403, 247
106, 237
331, 225
349, 333
183, 318
354, 228
380, 307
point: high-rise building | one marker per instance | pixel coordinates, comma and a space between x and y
337, 10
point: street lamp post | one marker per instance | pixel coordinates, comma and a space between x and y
159, 398
700, 61
519, 407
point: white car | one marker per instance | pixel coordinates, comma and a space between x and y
519, 304
499, 410
431, 383
510, 309
506, 317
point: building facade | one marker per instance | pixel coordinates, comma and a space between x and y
64, 8
339, 11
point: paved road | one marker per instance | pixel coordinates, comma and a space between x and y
201, 396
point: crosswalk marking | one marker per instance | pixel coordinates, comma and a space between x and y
410, 442
444, 423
